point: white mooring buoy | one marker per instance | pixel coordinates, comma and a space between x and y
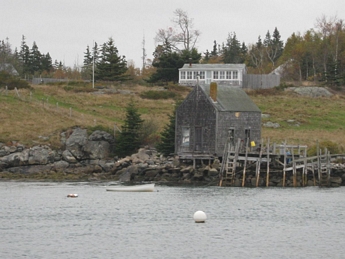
199, 217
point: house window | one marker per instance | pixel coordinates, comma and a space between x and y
183, 75
202, 74
221, 74
235, 74
189, 75
185, 136
228, 74
195, 74
215, 74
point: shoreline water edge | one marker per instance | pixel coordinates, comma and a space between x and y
87, 158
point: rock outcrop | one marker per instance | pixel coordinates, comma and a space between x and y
89, 158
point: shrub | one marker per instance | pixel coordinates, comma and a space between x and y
11, 81
148, 132
155, 95
332, 147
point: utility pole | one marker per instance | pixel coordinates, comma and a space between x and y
144, 54
93, 65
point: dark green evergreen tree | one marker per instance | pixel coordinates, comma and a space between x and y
214, 52
167, 144
24, 55
129, 141
35, 59
206, 57
88, 63
168, 63
46, 63
232, 51
167, 68
273, 46
277, 43
112, 66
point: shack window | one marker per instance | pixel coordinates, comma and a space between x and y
228, 74
189, 74
221, 74
202, 74
183, 75
185, 136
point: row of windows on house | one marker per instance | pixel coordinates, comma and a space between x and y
216, 74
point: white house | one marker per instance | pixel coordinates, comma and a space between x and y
222, 74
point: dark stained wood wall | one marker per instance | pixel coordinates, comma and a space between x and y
198, 113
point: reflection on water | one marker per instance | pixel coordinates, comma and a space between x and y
37, 220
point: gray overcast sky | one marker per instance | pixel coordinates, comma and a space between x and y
65, 27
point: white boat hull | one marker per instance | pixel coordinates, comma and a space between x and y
134, 188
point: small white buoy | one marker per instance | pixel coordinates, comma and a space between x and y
199, 217
72, 195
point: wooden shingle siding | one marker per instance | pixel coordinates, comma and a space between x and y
196, 111
208, 121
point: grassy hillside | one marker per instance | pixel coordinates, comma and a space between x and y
39, 115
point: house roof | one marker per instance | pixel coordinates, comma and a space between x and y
8, 68
213, 66
231, 99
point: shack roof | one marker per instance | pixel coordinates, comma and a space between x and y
231, 99
212, 66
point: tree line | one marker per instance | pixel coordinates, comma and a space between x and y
316, 55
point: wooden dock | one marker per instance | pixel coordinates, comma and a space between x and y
287, 159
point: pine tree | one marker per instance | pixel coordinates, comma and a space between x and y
167, 144
112, 66
88, 62
46, 63
232, 52
35, 59
214, 52
24, 56
129, 139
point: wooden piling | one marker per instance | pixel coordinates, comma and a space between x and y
284, 169
245, 165
258, 167
268, 163
294, 173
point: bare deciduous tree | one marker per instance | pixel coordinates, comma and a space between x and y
182, 33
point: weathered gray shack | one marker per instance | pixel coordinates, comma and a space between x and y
207, 116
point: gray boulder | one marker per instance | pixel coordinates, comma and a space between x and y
96, 150
68, 157
76, 141
41, 155
101, 136
312, 91
16, 159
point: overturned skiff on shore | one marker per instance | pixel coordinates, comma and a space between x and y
132, 188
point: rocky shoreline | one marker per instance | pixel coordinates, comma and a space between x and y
88, 158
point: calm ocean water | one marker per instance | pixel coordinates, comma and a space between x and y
37, 220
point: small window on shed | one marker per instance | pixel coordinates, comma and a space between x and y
185, 136
202, 74
183, 75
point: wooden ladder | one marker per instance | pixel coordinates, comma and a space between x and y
230, 163
324, 171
